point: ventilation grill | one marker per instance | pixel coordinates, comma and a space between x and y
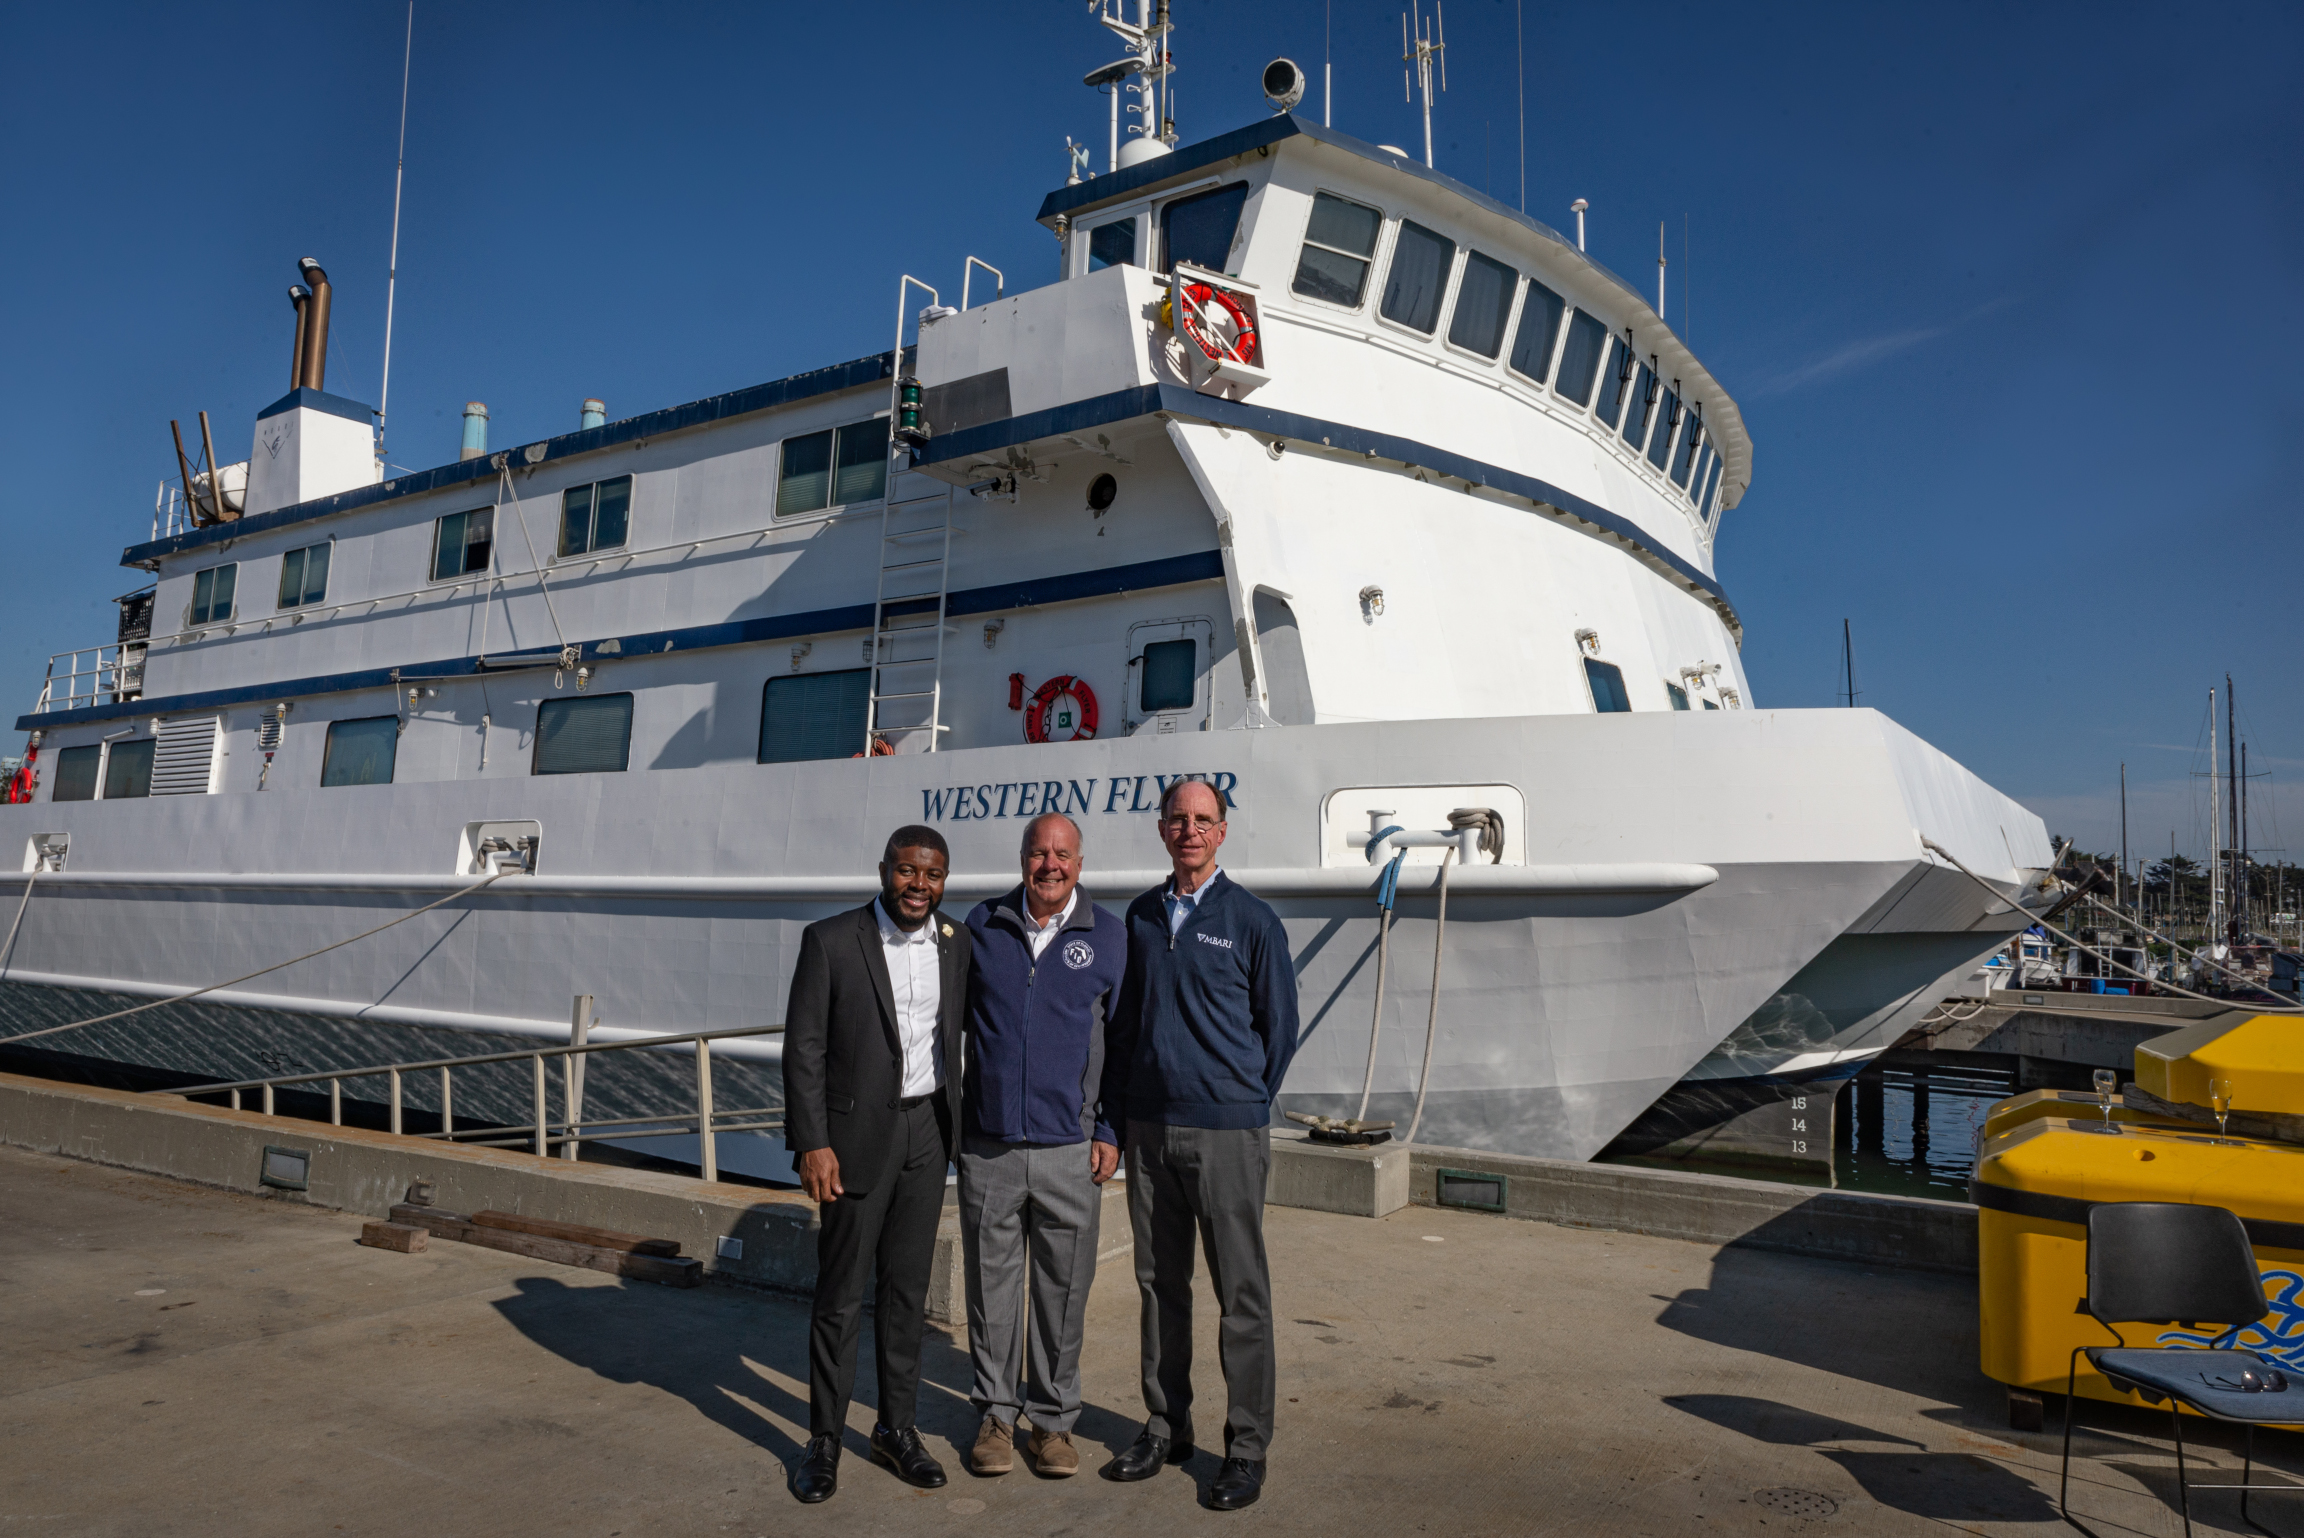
184, 757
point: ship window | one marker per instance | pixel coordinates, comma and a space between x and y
1170, 669
1580, 359
1483, 304
76, 773
1539, 325
1711, 705
1607, 681
361, 752
1200, 229
1419, 277
1704, 504
814, 715
1615, 382
462, 543
1678, 694
585, 734
596, 517
1338, 244
304, 576
833, 469
1639, 408
128, 770
212, 595
1112, 245
1660, 444
1703, 467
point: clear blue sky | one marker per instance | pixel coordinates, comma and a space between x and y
2009, 295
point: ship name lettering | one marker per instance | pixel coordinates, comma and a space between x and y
1032, 798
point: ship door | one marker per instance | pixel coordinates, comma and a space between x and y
1168, 684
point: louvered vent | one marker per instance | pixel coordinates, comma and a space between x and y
184, 757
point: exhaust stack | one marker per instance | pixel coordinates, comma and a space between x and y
312, 356
298, 294
475, 431
594, 414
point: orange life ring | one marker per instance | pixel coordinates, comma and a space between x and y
1044, 701
1242, 346
881, 748
20, 785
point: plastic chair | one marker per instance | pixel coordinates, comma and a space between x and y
2172, 1263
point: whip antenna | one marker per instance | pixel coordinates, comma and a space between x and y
392, 265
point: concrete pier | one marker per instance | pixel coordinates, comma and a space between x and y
195, 1361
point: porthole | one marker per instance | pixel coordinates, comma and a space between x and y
1101, 492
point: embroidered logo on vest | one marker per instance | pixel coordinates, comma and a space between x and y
1079, 954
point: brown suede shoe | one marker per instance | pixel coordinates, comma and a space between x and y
1052, 1453
995, 1449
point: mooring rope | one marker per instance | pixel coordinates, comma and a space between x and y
259, 972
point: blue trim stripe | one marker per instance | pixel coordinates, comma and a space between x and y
310, 399
716, 408
1127, 405
1200, 566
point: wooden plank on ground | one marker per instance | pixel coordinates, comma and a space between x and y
578, 1233
681, 1271
407, 1238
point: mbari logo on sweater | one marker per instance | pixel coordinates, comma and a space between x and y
1212, 940
1079, 954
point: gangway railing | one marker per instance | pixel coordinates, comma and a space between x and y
543, 1134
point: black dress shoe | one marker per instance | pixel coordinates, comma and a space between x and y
901, 1451
1143, 1460
1237, 1484
817, 1474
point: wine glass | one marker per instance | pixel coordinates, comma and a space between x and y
2220, 1101
2106, 1082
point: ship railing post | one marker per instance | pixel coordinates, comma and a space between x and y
395, 1102
711, 1159
267, 1100
235, 1100
572, 1080
542, 1130
335, 1102
447, 1121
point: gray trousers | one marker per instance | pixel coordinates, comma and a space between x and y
1027, 1207
1187, 1180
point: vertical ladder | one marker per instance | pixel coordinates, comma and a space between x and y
906, 649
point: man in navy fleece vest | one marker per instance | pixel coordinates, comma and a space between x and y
1047, 964
1201, 1039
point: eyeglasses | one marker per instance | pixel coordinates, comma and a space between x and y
1180, 823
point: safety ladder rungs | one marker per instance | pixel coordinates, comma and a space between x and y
934, 560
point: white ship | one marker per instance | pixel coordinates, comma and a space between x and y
1318, 475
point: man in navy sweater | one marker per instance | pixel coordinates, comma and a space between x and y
1036, 1144
1205, 1027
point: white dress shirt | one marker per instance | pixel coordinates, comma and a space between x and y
1182, 905
915, 981
1043, 933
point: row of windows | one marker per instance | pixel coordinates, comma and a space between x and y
1199, 229
1572, 352
594, 517
1609, 696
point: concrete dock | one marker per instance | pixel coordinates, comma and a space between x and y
186, 1360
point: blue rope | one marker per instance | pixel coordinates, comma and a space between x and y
1388, 887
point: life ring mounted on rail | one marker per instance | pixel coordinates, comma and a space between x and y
1220, 325
1044, 714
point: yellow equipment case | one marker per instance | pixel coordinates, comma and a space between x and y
2038, 1172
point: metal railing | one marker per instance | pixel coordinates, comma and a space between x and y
543, 1134
94, 675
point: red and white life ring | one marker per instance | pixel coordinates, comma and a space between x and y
1200, 325
1041, 713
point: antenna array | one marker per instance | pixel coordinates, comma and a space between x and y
1423, 48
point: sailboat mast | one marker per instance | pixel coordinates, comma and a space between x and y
2215, 833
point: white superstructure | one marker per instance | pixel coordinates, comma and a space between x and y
1439, 537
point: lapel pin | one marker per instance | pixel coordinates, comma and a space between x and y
947, 931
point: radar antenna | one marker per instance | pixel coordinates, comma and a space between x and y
1143, 74
1427, 45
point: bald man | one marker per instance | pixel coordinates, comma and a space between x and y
1035, 1145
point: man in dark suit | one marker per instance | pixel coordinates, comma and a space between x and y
871, 1107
